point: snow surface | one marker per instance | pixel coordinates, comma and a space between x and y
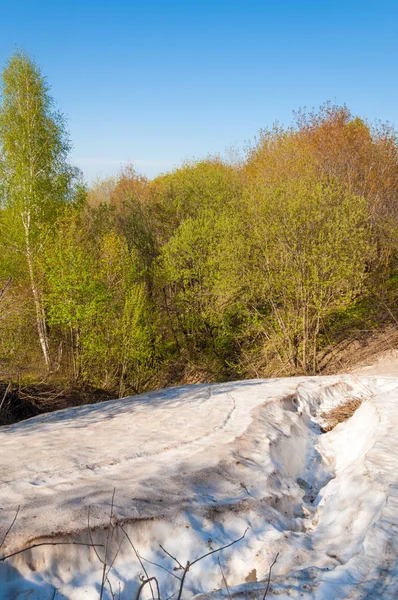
193, 467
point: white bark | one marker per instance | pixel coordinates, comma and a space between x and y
40, 315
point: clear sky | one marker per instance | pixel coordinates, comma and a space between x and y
159, 81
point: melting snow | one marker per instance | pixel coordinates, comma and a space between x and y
193, 467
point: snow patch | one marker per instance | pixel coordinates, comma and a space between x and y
193, 467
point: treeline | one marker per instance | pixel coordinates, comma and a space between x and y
216, 270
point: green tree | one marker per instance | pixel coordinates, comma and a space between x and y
196, 272
75, 296
36, 177
97, 304
203, 185
309, 246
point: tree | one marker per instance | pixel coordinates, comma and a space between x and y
332, 143
194, 264
95, 301
196, 186
74, 296
36, 177
310, 242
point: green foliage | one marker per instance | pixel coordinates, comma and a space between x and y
74, 295
201, 186
190, 273
36, 178
195, 272
34, 142
17, 328
232, 270
94, 297
311, 245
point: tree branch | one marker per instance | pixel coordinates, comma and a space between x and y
269, 576
16, 514
190, 564
50, 544
140, 561
219, 549
143, 584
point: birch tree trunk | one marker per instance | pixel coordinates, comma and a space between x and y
39, 309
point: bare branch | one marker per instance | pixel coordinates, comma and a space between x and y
115, 557
5, 287
110, 588
11, 526
5, 396
143, 584
110, 529
171, 556
186, 569
224, 579
50, 544
140, 561
90, 536
161, 567
219, 549
190, 564
269, 576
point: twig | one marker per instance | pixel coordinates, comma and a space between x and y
190, 564
161, 567
90, 536
110, 527
171, 556
224, 579
10, 527
5, 286
183, 580
103, 561
143, 584
43, 395
115, 557
50, 544
141, 563
219, 549
110, 587
5, 394
269, 576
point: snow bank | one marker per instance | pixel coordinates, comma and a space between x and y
193, 467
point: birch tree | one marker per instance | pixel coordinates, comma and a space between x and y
36, 176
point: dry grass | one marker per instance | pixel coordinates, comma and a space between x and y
363, 350
339, 414
21, 403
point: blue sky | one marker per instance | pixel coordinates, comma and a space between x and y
158, 82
